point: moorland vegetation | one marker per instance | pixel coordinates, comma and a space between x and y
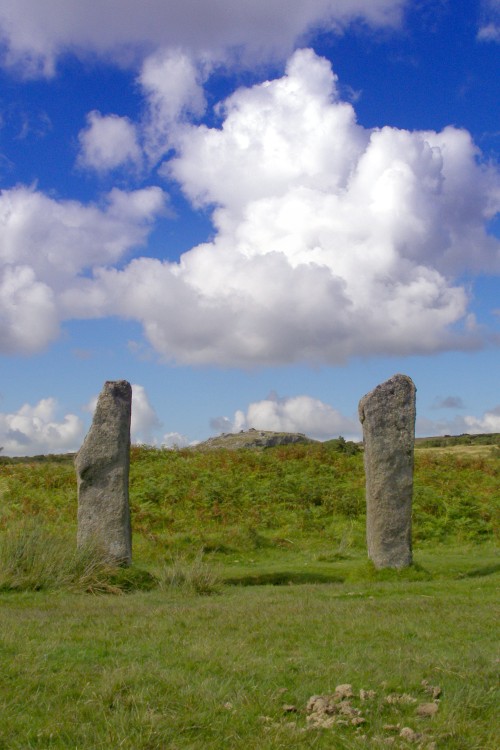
249, 593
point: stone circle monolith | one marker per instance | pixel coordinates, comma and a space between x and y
388, 417
102, 467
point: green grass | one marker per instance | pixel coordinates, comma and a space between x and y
170, 669
250, 590
235, 499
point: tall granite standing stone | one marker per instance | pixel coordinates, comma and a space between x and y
102, 467
388, 417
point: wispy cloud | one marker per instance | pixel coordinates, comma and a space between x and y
489, 28
449, 402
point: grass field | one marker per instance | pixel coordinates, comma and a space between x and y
203, 652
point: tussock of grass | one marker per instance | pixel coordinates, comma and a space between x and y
190, 574
34, 559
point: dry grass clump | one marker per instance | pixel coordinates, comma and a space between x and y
34, 559
192, 574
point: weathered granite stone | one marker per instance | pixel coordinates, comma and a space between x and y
388, 417
102, 467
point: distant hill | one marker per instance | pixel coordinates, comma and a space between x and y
446, 441
252, 439
267, 439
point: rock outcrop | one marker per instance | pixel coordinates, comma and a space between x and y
102, 466
252, 439
388, 417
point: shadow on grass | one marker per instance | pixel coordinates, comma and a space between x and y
283, 578
486, 570
130, 579
356, 572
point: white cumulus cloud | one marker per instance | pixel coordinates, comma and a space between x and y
36, 430
331, 240
28, 315
174, 440
108, 142
46, 244
302, 413
172, 85
459, 424
145, 421
488, 422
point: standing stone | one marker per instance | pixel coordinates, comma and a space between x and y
102, 467
388, 417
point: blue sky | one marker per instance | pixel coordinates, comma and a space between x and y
253, 212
